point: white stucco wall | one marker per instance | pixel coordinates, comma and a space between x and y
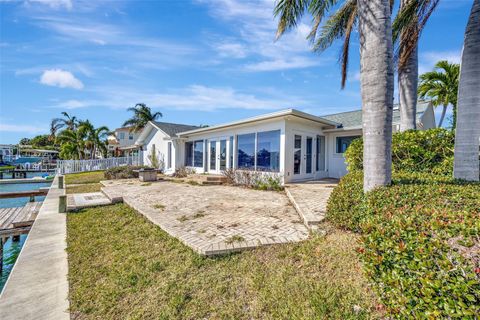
336, 161
157, 138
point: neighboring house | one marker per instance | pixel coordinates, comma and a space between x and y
161, 139
6, 152
296, 145
125, 141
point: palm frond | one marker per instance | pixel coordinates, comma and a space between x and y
290, 13
408, 26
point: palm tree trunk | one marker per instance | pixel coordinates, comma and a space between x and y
444, 111
466, 163
376, 69
407, 88
407, 85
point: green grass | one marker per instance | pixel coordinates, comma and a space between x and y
84, 188
84, 177
121, 266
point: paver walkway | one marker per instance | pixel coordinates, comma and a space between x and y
310, 199
213, 219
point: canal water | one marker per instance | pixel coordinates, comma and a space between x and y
11, 249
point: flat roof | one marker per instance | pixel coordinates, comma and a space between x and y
273, 115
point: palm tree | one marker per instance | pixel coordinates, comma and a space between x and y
72, 145
69, 122
412, 17
466, 163
440, 86
141, 116
376, 69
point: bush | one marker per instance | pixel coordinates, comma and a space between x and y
420, 242
344, 206
254, 179
183, 172
123, 172
413, 151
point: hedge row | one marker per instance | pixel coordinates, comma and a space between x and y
413, 151
420, 242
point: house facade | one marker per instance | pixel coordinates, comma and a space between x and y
296, 145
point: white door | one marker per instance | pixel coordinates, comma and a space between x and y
217, 155
304, 156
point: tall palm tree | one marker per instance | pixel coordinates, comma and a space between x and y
72, 145
466, 163
68, 121
408, 24
441, 87
141, 116
376, 70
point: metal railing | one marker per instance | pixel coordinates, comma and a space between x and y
74, 166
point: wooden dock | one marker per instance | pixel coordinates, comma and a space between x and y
16, 221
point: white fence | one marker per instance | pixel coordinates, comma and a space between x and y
73, 166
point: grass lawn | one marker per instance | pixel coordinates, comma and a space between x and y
84, 182
84, 188
85, 177
122, 266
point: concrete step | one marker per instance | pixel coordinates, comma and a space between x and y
217, 178
112, 196
212, 183
79, 201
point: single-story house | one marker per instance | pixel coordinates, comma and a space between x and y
292, 143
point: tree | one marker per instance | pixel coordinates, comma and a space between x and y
141, 116
72, 144
69, 122
440, 86
412, 17
466, 162
376, 70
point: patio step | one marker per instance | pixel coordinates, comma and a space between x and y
112, 196
212, 183
216, 179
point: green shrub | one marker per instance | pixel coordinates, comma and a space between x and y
344, 206
420, 242
123, 172
413, 151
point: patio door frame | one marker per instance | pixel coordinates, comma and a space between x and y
218, 154
304, 156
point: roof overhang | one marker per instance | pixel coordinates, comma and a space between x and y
264, 117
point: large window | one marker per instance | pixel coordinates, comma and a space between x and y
188, 154
246, 151
268, 151
320, 153
198, 154
194, 154
344, 142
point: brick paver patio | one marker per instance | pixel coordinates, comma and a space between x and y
310, 199
213, 219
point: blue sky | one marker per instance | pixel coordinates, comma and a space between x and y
198, 62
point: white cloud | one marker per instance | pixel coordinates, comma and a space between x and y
21, 128
233, 50
430, 58
256, 28
193, 97
60, 78
54, 4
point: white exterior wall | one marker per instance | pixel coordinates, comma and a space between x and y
157, 138
336, 161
